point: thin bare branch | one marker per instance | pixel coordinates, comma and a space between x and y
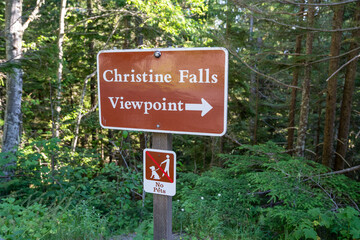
107, 14
304, 4
327, 193
344, 65
112, 33
34, 14
357, 135
341, 171
261, 74
80, 115
87, 19
312, 152
233, 139
120, 152
294, 26
91, 110
137, 193
317, 4
342, 158
355, 205
332, 57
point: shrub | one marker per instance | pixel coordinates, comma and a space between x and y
264, 193
37, 221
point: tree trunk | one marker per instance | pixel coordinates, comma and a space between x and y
80, 112
292, 107
142, 141
56, 124
2, 106
304, 109
343, 134
91, 57
318, 132
14, 82
92, 61
332, 87
291, 128
254, 90
127, 38
60, 67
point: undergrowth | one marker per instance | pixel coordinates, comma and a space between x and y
263, 193
259, 193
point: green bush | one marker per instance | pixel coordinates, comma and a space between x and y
37, 221
260, 193
263, 193
112, 191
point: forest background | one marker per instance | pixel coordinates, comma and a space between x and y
287, 168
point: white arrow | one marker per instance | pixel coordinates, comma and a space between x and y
204, 107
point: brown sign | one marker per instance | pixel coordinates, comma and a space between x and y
166, 90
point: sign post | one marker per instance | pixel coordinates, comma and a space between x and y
164, 91
162, 204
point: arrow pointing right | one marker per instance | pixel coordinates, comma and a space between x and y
204, 107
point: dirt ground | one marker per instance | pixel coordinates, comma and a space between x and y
133, 235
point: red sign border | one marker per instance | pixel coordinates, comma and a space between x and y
170, 187
151, 157
172, 49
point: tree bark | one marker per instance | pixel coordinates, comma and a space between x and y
80, 112
327, 153
127, 38
12, 125
291, 128
92, 55
14, 31
14, 82
318, 131
346, 105
292, 107
252, 97
60, 67
304, 109
254, 90
92, 61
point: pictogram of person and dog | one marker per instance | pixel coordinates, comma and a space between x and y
166, 162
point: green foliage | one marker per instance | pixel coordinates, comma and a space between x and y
180, 20
261, 193
264, 193
145, 231
71, 199
37, 221
215, 205
255, 192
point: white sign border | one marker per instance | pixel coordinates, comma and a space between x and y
171, 49
150, 184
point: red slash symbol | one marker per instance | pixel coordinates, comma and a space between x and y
159, 167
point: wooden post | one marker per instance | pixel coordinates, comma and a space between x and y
162, 205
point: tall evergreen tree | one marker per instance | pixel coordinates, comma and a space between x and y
348, 92
305, 97
332, 86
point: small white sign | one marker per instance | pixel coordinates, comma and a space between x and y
159, 171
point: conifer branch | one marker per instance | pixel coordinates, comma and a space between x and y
262, 74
